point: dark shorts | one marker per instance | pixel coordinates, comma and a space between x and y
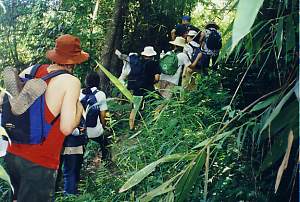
31, 182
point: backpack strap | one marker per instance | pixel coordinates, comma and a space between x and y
33, 71
54, 74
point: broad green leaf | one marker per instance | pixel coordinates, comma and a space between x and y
162, 189
296, 90
277, 109
277, 150
5, 176
290, 34
264, 104
137, 101
186, 182
3, 7
214, 139
288, 117
244, 19
116, 82
286, 2
279, 36
143, 173
170, 197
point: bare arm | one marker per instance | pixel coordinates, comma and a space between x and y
71, 109
193, 65
102, 117
156, 78
202, 36
173, 34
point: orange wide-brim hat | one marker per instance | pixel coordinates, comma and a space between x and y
67, 51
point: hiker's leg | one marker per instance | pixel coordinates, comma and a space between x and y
131, 119
104, 142
59, 175
214, 62
12, 167
37, 182
70, 169
78, 168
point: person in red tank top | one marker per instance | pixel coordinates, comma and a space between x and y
33, 168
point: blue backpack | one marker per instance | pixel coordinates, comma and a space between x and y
89, 103
203, 62
31, 126
137, 73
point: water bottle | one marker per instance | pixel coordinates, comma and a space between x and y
162, 54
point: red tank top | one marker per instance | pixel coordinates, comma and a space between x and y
47, 153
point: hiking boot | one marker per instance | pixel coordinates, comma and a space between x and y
32, 89
12, 81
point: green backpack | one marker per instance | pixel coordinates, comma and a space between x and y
169, 63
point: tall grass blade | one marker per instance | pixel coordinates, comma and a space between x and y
186, 182
143, 173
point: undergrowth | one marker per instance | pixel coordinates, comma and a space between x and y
165, 127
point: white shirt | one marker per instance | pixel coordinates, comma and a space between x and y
183, 61
101, 100
188, 49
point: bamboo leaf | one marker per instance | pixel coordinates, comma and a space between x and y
277, 150
290, 34
143, 173
187, 181
116, 82
264, 104
245, 17
170, 197
213, 139
95, 10
2, 6
285, 161
277, 109
279, 36
287, 118
162, 189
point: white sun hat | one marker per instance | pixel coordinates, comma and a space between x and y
192, 33
179, 41
148, 51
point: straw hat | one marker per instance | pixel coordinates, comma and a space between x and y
148, 51
67, 51
179, 41
192, 33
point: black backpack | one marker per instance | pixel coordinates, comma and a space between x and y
214, 40
136, 75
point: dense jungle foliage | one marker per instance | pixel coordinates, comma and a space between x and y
234, 138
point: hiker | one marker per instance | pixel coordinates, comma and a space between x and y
94, 102
183, 28
172, 64
211, 42
92, 127
193, 50
32, 166
144, 73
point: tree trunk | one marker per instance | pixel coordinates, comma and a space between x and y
113, 41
